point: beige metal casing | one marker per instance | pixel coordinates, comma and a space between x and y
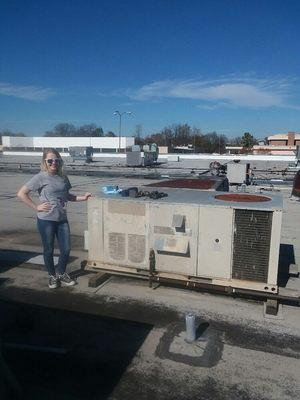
192, 234
174, 234
215, 242
236, 173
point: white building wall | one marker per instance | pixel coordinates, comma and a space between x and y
66, 142
60, 142
12, 141
111, 142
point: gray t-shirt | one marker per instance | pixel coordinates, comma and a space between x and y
53, 189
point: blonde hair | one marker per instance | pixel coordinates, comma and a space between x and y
44, 166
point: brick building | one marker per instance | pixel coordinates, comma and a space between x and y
284, 139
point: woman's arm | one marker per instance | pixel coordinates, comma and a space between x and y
73, 197
23, 194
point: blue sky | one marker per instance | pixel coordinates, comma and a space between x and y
227, 66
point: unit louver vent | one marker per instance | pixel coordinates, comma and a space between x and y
251, 246
136, 248
117, 245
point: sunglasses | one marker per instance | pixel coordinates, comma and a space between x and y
51, 161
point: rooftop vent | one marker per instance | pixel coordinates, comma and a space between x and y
243, 198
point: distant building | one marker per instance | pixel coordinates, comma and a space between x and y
274, 150
184, 149
261, 142
233, 149
163, 149
284, 139
279, 144
37, 144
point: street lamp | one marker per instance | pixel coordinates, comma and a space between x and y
120, 123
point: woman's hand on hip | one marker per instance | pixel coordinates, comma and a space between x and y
87, 195
44, 207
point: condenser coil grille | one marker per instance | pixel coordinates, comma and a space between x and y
117, 245
136, 248
251, 245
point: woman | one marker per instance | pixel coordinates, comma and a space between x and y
53, 188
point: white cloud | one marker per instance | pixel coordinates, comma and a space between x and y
34, 93
229, 92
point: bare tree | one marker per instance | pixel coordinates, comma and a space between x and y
110, 134
7, 132
69, 130
138, 134
237, 141
89, 130
63, 129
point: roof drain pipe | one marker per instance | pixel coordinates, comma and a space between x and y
190, 327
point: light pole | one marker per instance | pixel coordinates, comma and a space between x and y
120, 123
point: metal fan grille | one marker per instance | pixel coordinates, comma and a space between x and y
117, 245
136, 248
251, 245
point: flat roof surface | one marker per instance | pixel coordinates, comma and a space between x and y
240, 352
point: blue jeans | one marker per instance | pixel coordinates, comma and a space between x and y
48, 230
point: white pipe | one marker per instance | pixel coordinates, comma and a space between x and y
190, 327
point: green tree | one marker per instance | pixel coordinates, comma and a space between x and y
248, 140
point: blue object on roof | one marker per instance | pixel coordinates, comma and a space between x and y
111, 189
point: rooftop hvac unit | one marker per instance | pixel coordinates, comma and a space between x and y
237, 173
81, 153
134, 159
225, 239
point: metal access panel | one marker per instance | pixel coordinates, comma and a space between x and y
173, 236
118, 233
95, 229
125, 233
133, 159
215, 242
236, 173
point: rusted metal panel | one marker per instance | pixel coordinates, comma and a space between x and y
296, 185
242, 197
204, 183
